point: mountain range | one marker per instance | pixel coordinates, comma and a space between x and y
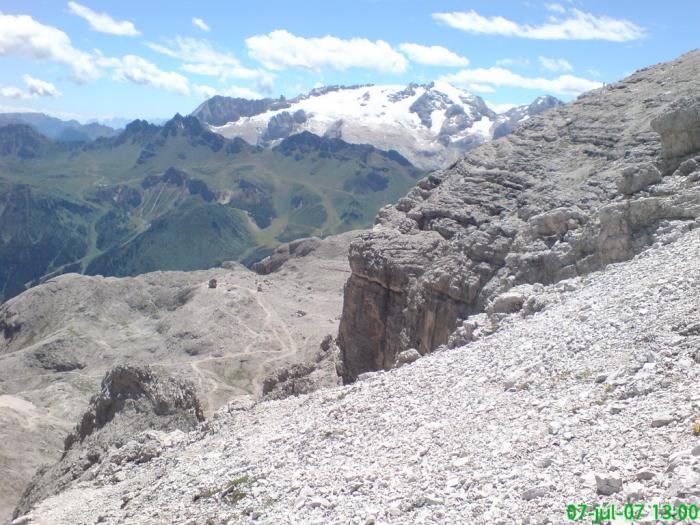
58, 129
177, 197
430, 124
229, 182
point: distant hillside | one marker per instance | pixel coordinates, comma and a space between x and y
177, 197
57, 129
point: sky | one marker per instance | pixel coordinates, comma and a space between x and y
94, 59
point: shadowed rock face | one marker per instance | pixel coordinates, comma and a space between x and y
569, 192
679, 128
132, 400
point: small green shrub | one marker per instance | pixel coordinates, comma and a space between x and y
232, 492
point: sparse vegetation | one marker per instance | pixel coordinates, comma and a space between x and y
232, 492
561, 376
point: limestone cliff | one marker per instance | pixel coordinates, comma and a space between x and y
585, 185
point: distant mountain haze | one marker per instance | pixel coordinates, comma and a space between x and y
57, 129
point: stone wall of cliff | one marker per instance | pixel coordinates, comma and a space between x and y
584, 185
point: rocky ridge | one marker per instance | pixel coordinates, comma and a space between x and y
133, 401
236, 340
590, 400
582, 186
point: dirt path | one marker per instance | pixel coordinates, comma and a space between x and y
209, 384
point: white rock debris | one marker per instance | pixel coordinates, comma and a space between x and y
602, 412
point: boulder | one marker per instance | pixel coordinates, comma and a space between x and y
662, 419
607, 484
679, 127
636, 178
407, 356
506, 303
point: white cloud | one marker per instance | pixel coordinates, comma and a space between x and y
557, 8
517, 62
102, 22
499, 77
35, 88
40, 88
140, 71
281, 49
433, 55
23, 36
12, 92
232, 91
578, 26
555, 64
479, 88
200, 58
201, 24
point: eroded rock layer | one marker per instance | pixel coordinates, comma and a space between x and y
585, 185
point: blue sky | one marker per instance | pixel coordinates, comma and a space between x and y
153, 58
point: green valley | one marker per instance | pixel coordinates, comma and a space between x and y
177, 197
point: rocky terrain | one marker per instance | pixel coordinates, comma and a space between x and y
131, 401
506, 122
592, 400
59, 339
430, 124
568, 192
520, 333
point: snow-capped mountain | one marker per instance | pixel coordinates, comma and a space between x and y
506, 122
430, 124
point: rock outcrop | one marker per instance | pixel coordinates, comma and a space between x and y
59, 339
132, 400
567, 193
290, 250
